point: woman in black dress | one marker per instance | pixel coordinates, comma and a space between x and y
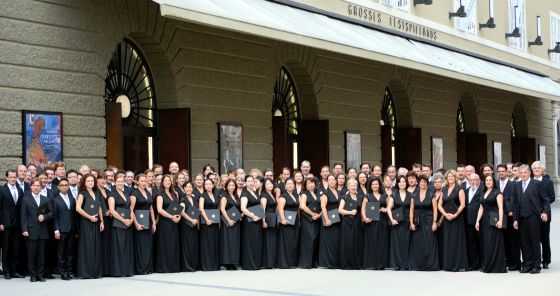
387, 186
288, 234
400, 232
104, 193
122, 252
341, 184
270, 233
362, 184
310, 225
150, 180
188, 231
454, 238
142, 200
198, 186
286, 173
352, 174
251, 230
329, 241
351, 243
209, 232
493, 248
322, 183
376, 233
298, 180
180, 180
89, 249
424, 245
438, 195
230, 239
167, 250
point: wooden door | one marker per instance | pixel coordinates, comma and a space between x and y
174, 137
408, 147
477, 153
281, 150
114, 146
314, 144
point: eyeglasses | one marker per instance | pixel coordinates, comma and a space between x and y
63, 185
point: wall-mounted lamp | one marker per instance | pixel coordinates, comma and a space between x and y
460, 11
425, 2
381, 122
556, 49
515, 33
538, 40
490, 23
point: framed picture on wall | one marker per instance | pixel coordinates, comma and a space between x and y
437, 153
42, 137
230, 146
353, 149
542, 154
496, 152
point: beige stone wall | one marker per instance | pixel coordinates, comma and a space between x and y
53, 57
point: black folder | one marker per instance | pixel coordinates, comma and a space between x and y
213, 215
450, 207
233, 213
174, 209
125, 214
258, 211
270, 220
334, 216
290, 217
493, 219
193, 213
90, 207
350, 205
315, 206
143, 218
372, 210
397, 214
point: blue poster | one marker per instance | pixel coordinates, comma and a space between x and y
42, 138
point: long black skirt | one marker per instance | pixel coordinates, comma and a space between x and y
454, 245
90, 265
287, 246
143, 241
400, 244
309, 243
167, 247
376, 244
493, 247
122, 252
188, 247
269, 247
351, 243
106, 238
329, 246
210, 247
230, 243
424, 254
251, 245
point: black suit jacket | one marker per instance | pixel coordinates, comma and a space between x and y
26, 188
508, 195
64, 218
9, 213
29, 213
535, 193
473, 205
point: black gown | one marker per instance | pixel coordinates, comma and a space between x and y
309, 236
90, 265
122, 252
167, 252
329, 240
288, 235
351, 236
454, 237
143, 239
210, 238
400, 233
188, 238
230, 236
376, 238
251, 237
424, 254
270, 235
106, 236
493, 248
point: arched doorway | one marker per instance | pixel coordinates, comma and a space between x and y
461, 136
388, 130
472, 146
523, 148
132, 117
286, 122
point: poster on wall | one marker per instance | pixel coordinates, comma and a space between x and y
542, 154
437, 153
42, 138
230, 146
497, 152
353, 147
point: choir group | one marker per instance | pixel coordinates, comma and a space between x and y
91, 223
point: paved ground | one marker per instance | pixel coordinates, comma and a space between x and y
310, 282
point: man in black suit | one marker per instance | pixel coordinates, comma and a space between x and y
59, 172
64, 209
511, 234
72, 178
11, 197
128, 182
35, 212
548, 187
21, 176
530, 207
472, 196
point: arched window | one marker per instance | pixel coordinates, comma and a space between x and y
389, 116
460, 119
513, 126
285, 103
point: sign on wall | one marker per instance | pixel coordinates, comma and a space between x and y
42, 138
230, 146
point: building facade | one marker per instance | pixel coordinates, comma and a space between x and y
185, 67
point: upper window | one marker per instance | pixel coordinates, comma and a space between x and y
400, 4
469, 23
554, 35
517, 20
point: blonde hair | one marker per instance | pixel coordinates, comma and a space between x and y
351, 181
450, 172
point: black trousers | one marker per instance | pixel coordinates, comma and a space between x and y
36, 256
545, 241
50, 250
512, 244
66, 247
530, 239
10, 249
473, 247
